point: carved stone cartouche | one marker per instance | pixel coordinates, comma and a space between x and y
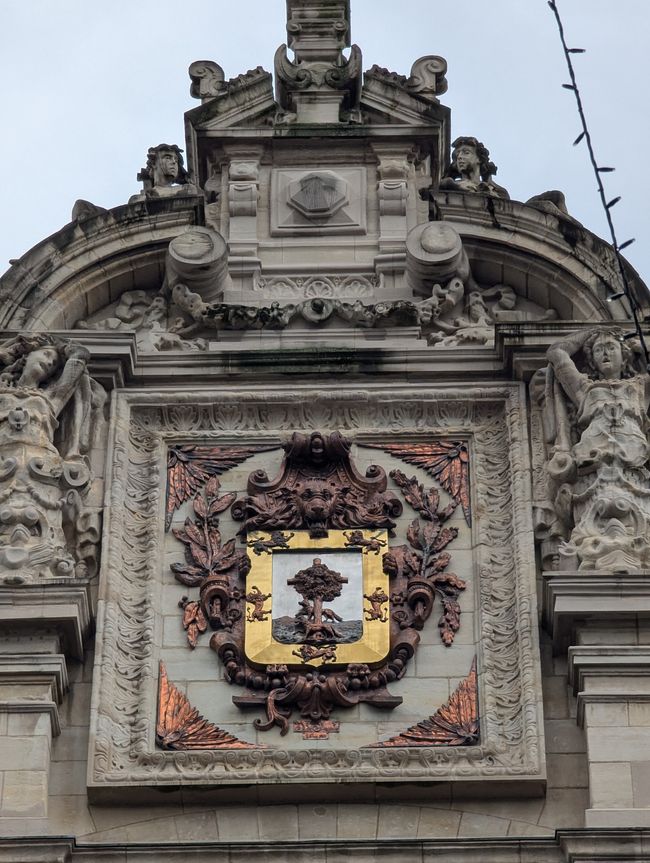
597, 426
318, 489
48, 404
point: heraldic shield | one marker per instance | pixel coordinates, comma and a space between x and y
317, 601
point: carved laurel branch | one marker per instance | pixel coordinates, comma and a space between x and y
424, 570
454, 724
492, 416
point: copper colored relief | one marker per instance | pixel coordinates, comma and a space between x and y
454, 724
181, 726
188, 468
319, 503
446, 461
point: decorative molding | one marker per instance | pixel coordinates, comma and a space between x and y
456, 723
326, 285
144, 424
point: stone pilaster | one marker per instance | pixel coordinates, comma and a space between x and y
602, 620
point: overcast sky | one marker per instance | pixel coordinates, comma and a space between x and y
87, 86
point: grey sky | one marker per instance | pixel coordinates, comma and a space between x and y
86, 87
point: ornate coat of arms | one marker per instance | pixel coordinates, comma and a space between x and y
315, 609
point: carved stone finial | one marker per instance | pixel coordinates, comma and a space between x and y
320, 82
471, 169
208, 80
427, 78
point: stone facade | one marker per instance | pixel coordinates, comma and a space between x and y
324, 497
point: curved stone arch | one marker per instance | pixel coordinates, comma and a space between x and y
511, 243
90, 263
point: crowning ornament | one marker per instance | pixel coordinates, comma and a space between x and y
319, 611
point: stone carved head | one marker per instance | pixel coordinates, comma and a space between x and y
608, 357
31, 360
165, 167
470, 159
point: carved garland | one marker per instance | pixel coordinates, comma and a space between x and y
122, 744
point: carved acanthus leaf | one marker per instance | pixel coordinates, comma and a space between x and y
446, 461
189, 467
456, 723
181, 726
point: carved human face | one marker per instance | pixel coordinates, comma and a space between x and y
608, 356
168, 161
39, 366
466, 159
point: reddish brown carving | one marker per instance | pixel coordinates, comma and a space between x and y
317, 584
316, 730
181, 726
210, 565
419, 575
454, 724
189, 467
194, 622
318, 489
446, 461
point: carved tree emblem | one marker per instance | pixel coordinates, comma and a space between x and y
323, 587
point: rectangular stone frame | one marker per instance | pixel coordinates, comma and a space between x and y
122, 751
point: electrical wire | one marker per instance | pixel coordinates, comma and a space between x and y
607, 205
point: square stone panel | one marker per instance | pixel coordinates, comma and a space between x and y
497, 555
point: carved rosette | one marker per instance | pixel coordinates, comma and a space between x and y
313, 659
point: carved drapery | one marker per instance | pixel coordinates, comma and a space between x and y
50, 410
596, 432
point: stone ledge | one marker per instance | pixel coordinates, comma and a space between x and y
581, 598
615, 844
58, 605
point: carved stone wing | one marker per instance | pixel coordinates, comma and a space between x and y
456, 723
181, 726
446, 461
189, 467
